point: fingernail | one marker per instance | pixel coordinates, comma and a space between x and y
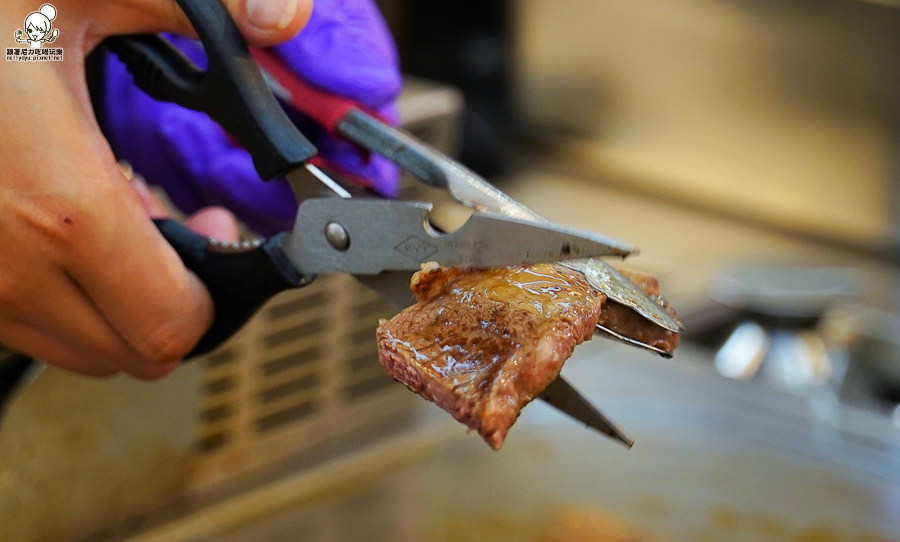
271, 14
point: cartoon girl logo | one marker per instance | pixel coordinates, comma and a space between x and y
38, 27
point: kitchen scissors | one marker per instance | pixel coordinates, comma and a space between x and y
381, 242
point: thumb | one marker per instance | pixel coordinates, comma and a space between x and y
267, 22
262, 22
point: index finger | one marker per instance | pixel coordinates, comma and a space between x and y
139, 284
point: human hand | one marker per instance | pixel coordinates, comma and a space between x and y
345, 48
88, 283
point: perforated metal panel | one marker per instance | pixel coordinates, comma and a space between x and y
303, 373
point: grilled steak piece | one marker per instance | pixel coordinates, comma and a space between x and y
482, 344
626, 322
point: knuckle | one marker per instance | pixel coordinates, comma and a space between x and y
153, 372
167, 342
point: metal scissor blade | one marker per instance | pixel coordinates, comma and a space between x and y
610, 334
429, 165
617, 287
468, 188
368, 236
562, 396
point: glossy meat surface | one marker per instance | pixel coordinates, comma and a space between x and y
482, 344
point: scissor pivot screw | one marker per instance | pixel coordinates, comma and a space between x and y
337, 236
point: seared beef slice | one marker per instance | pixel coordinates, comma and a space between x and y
482, 344
628, 323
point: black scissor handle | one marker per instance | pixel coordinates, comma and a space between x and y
239, 279
232, 90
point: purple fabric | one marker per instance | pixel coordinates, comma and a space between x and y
345, 48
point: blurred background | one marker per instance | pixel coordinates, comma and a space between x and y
750, 148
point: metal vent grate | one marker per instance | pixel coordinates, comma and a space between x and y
364, 375
304, 372
217, 412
